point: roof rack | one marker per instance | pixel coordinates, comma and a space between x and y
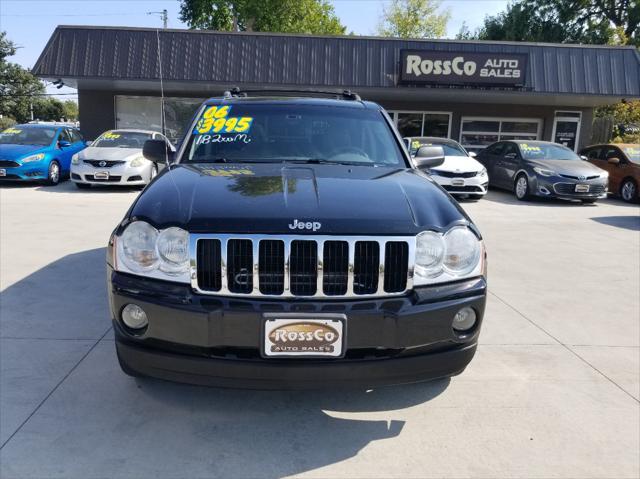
236, 92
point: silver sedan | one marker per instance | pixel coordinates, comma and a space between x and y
115, 158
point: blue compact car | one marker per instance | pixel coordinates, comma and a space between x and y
38, 152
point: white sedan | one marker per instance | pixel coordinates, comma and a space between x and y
115, 158
460, 174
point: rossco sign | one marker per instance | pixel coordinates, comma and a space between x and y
423, 66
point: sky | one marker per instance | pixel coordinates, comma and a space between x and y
30, 23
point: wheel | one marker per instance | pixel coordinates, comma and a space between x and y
53, 176
83, 186
522, 188
629, 191
589, 201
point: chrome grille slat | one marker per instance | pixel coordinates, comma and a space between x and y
290, 266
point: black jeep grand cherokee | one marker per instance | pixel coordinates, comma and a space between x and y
291, 244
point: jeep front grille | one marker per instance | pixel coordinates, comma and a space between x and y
301, 266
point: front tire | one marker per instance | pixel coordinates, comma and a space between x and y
53, 175
629, 191
522, 188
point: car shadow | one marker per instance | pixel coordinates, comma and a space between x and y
626, 222
232, 432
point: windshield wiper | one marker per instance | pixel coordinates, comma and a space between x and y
322, 161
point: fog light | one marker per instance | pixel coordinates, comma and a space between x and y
134, 316
464, 319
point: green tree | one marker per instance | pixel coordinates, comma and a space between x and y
414, 19
284, 16
18, 87
48, 109
566, 21
70, 110
625, 113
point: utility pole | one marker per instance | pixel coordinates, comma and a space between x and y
164, 15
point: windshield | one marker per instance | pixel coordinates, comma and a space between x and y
546, 152
450, 149
267, 133
632, 152
20, 135
121, 139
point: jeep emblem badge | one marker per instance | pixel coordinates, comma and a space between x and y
302, 225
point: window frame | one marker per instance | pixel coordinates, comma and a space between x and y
506, 136
394, 117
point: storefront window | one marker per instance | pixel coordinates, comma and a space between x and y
415, 123
478, 133
143, 113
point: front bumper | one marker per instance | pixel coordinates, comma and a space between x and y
216, 341
561, 187
476, 185
32, 171
123, 174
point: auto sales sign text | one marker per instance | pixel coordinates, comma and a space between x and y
460, 68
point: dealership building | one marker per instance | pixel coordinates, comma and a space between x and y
475, 92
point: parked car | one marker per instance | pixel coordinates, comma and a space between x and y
38, 151
293, 245
116, 158
544, 169
460, 174
622, 162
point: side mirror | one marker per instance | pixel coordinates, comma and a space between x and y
429, 157
88, 143
157, 151
582, 157
64, 144
472, 154
614, 161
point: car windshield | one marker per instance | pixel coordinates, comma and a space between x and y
450, 149
268, 133
121, 139
545, 151
632, 152
24, 135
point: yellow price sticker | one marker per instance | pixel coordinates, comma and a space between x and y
216, 119
110, 136
11, 131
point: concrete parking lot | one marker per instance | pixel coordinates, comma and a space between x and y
553, 392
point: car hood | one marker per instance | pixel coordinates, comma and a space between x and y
267, 198
109, 154
12, 152
568, 167
459, 164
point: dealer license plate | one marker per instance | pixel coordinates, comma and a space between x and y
301, 337
582, 188
457, 182
3, 172
101, 175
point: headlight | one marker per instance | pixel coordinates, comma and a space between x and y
462, 251
137, 246
138, 161
429, 254
29, 159
142, 249
173, 248
543, 171
434, 172
604, 174
451, 256
483, 172
75, 159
